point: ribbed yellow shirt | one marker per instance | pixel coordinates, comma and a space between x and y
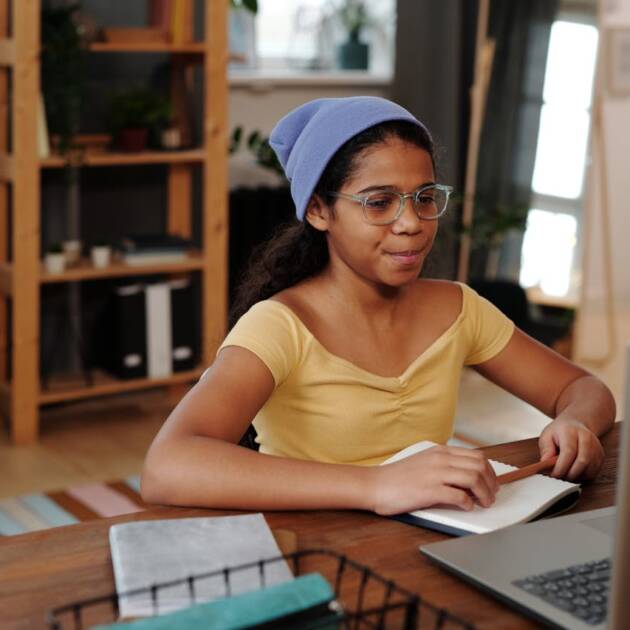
327, 409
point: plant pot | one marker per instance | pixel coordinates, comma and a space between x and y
133, 140
101, 256
353, 55
171, 138
55, 262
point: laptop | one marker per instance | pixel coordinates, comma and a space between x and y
566, 572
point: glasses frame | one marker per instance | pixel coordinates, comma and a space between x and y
362, 199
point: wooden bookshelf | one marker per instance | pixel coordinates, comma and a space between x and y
73, 387
22, 274
113, 158
86, 271
193, 48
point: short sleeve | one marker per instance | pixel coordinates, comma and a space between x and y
270, 331
488, 329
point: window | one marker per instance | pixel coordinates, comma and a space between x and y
303, 34
551, 238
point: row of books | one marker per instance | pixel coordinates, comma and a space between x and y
148, 330
173, 17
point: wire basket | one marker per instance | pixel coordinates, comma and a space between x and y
364, 599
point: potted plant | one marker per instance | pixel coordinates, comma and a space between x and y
133, 114
353, 54
55, 259
491, 225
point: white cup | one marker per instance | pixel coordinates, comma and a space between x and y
55, 262
101, 256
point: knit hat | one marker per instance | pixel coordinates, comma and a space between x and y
307, 138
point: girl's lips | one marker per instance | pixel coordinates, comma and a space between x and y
408, 257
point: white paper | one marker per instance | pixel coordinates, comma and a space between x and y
516, 502
157, 551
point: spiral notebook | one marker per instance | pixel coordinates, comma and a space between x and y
535, 497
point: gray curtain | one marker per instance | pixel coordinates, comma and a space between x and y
433, 73
521, 29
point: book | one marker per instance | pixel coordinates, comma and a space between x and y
537, 496
152, 243
151, 552
308, 599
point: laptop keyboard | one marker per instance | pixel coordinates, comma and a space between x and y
581, 589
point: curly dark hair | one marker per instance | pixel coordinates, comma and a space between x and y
297, 250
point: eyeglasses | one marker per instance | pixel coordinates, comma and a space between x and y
385, 206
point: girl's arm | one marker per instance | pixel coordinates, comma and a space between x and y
195, 459
581, 405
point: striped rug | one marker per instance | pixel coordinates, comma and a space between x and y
85, 502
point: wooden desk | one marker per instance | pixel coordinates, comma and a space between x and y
56, 566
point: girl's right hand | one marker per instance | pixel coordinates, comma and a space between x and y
441, 475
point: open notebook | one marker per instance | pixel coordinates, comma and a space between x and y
537, 496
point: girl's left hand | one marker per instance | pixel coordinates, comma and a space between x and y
580, 453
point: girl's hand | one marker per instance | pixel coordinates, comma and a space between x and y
580, 453
441, 475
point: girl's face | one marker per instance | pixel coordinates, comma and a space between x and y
391, 255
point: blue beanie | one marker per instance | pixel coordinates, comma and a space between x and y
307, 138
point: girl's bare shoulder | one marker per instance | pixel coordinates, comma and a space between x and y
439, 296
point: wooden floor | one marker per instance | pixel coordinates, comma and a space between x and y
97, 440
106, 439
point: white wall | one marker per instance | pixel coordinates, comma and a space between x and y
596, 347
259, 103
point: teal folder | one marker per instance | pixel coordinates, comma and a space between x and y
295, 603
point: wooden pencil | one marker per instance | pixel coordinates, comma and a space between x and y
527, 471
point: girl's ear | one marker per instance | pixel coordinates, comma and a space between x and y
318, 214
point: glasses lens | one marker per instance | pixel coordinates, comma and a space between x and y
381, 207
430, 202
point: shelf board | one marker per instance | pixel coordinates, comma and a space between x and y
191, 48
111, 158
85, 271
73, 387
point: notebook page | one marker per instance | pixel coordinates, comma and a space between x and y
516, 502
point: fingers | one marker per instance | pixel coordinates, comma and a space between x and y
546, 445
472, 458
474, 481
589, 458
455, 497
568, 444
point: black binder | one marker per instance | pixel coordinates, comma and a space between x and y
183, 328
126, 350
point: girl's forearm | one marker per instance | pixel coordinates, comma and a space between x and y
587, 399
205, 472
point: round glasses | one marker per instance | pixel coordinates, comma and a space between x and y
383, 207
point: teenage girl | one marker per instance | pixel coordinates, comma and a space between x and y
341, 355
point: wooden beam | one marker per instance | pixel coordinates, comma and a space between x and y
180, 200
26, 204
215, 180
4, 199
6, 280
484, 53
7, 52
5, 400
7, 167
